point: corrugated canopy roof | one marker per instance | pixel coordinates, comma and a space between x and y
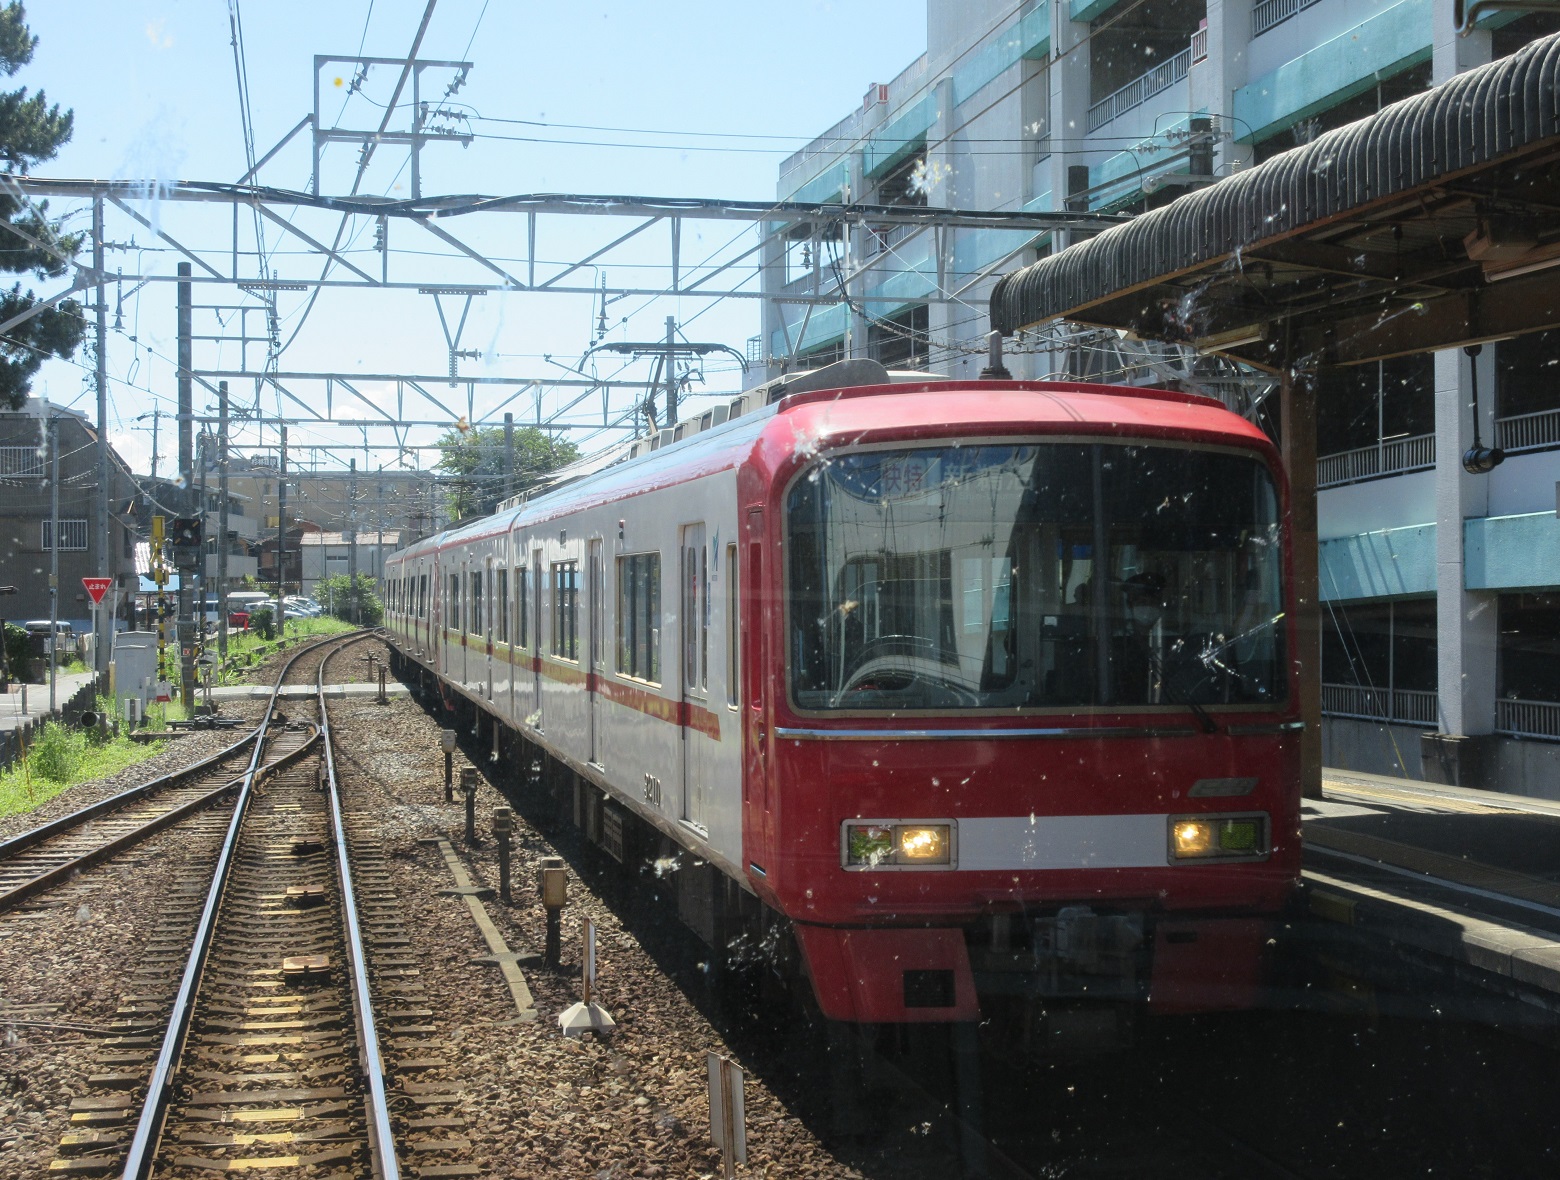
1424, 226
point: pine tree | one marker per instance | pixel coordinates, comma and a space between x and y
31, 131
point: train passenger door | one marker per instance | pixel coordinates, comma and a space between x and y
597, 596
537, 578
755, 708
694, 616
490, 586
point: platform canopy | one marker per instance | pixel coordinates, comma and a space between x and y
1433, 223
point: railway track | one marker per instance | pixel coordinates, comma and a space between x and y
270, 1056
43, 858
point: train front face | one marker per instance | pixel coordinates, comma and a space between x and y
1036, 735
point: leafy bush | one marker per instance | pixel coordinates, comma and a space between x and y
57, 752
17, 653
262, 623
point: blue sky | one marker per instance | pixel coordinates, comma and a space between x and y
734, 86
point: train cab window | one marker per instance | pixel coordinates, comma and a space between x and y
452, 619
639, 616
501, 604
1035, 576
566, 610
733, 628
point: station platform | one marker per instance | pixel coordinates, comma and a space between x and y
1467, 876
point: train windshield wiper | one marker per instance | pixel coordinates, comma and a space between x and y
1177, 697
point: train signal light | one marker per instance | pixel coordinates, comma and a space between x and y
184, 534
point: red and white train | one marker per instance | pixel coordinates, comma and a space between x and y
974, 689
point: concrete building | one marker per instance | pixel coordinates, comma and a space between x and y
1441, 588
327, 555
26, 526
409, 501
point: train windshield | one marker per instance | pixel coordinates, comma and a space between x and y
1037, 575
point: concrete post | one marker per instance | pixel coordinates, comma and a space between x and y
105, 564
1466, 632
468, 787
1297, 408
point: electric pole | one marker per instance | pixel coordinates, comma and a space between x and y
104, 634
185, 628
222, 527
53, 436
281, 537
352, 538
509, 455
671, 371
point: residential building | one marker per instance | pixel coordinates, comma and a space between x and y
326, 555
27, 526
1441, 589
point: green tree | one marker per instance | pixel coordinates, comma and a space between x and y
31, 131
474, 462
335, 594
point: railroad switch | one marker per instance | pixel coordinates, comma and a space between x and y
302, 969
303, 897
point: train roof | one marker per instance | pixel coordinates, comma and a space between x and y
921, 408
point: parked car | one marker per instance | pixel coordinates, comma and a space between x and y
64, 638
299, 605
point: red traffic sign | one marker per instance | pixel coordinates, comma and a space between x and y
97, 587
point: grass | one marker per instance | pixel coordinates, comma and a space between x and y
62, 756
240, 642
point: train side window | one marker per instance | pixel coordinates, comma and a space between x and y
733, 631
755, 628
452, 618
501, 604
566, 610
476, 603
639, 616
422, 596
522, 606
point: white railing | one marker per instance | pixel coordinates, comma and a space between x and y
1405, 705
1531, 719
1166, 74
1528, 432
21, 461
1267, 13
1389, 457
1200, 45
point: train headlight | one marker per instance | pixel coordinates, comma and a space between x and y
1218, 837
926, 844
877, 844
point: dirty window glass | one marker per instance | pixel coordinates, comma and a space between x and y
1035, 576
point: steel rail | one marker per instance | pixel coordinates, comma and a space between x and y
381, 1135
148, 1130
54, 876
53, 828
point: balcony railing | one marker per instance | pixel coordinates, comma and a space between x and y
1529, 719
1528, 432
1200, 45
1267, 13
1405, 705
1388, 457
16, 461
1138, 91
